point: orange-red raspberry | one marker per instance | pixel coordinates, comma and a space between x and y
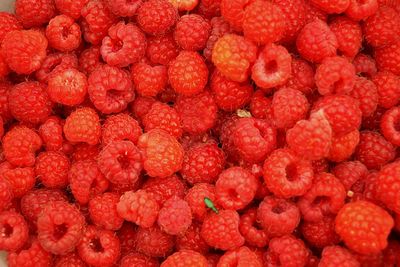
219, 27
350, 173
348, 34
365, 65
162, 49
195, 198
192, 32
70, 8
14, 230
156, 16
185, 258
33, 13
361, 10
388, 85
337, 256
332, 7
84, 151
295, 13
149, 80
70, 260
344, 146
233, 12
8, 23
287, 251
52, 169
240, 256
192, 239
63, 33
366, 93
321, 233
120, 127
302, 76
386, 184
138, 260
154, 242
6, 194
175, 216
103, 211
83, 125
54, 63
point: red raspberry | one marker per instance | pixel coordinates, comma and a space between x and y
154, 242
192, 32
20, 180
90, 59
103, 211
383, 27
63, 33
316, 41
123, 8
34, 13
67, 87
149, 80
278, 216
389, 123
187, 73
156, 16
60, 227
337, 256
4, 70
195, 198
344, 146
127, 236
219, 27
388, 86
287, 251
350, 173
139, 207
164, 188
367, 95
84, 151
233, 12
263, 22
14, 231
240, 256
97, 16
124, 45
365, 65
332, 7
175, 216
120, 127
235, 188
20, 144
138, 260
302, 76
388, 58
6, 194
348, 34
86, 181
99, 247
83, 125
209, 8
249, 228
311, 138
70, 8
313, 12
70, 260
325, 197
374, 150
385, 186
320, 234
52, 169
162, 49
94, 38
353, 224
231, 49
4, 105
120, 162
8, 23
54, 63
261, 106
272, 67
32, 256
185, 258
230, 237
192, 240
361, 10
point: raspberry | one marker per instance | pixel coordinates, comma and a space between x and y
344, 146
195, 198
311, 138
103, 211
233, 12
94, 38
367, 95
33, 13
365, 65
385, 186
188, 73
261, 106
162, 49
19, 146
110, 89
353, 224
184, 5
6, 194
348, 34
313, 12
86, 181
125, 44
209, 8
316, 41
240, 256
185, 258
325, 197
350, 172
388, 86
54, 63
83, 125
149, 80
32, 256
192, 240
230, 237
123, 8
60, 227
302, 76
120, 127
84, 151
192, 32
320, 234
20, 180
154, 242
97, 16
287, 251
374, 150
388, 58
361, 10
175, 216
156, 16
99, 247
278, 216
90, 59
337, 256
139, 207
69, 260
165, 188
383, 27
332, 7
14, 231
67, 87
52, 168
389, 123
8, 23
70, 8
219, 27
228, 51
139, 260
63, 33
249, 228
127, 236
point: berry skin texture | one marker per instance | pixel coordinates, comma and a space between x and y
123, 8
355, 221
89, 59
19, 146
320, 234
316, 41
138, 207
337, 256
156, 16
175, 216
226, 239
311, 138
192, 32
344, 146
162, 49
332, 7
162, 153
272, 67
162, 116
34, 13
388, 58
29, 102
8, 23
70, 8
149, 80
14, 230
165, 188
388, 86
71, 259
233, 12
219, 27
287, 251
52, 169
233, 55
24, 51
83, 125
60, 216
367, 95
120, 127
302, 77
249, 229
54, 63
138, 260
242, 256
32, 256
389, 123
187, 73
192, 239
263, 22
6, 194
185, 258
103, 211
361, 10
385, 186
124, 45
63, 33
20, 180
195, 198
153, 242
98, 17
348, 34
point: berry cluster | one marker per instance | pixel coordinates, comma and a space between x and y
200, 133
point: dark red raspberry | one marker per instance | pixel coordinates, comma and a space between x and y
99, 247
240, 256
388, 58
302, 76
60, 227
123, 8
63, 33
161, 116
192, 32
388, 86
195, 198
20, 180
366, 93
52, 169
164, 188
120, 127
185, 258
192, 240
316, 41
219, 27
286, 251
149, 80
361, 10
350, 172
97, 16
320, 234
162, 49
69, 260
54, 63
90, 59
261, 106
14, 231
348, 34
209, 8
389, 123
326, 197
175, 216
354, 221
233, 12
127, 236
156, 16
138, 260
103, 211
337, 256
344, 146
332, 7
83, 125
251, 231
33, 13
70, 8
31, 256
154, 242
385, 186
365, 65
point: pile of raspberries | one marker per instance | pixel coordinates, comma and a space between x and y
200, 133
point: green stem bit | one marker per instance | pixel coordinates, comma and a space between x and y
210, 204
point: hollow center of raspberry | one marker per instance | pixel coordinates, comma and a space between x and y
321, 201
95, 245
53, 65
6, 230
397, 125
60, 231
271, 66
337, 85
233, 194
124, 161
279, 208
65, 32
114, 94
116, 45
291, 172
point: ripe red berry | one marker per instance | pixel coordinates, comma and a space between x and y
139, 260
192, 32
288, 251
124, 8
219, 27
175, 216
32, 255
52, 169
156, 16
70, 8
34, 13
63, 33
385, 186
162, 49
344, 146
240, 256
332, 7
388, 58
366, 93
185, 258
8, 23
83, 125
302, 77
14, 229
361, 10
103, 211
321, 233
54, 63
120, 127
251, 231
149, 80
388, 86
154, 242
365, 65
97, 17
90, 59
192, 239
337, 256
348, 34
